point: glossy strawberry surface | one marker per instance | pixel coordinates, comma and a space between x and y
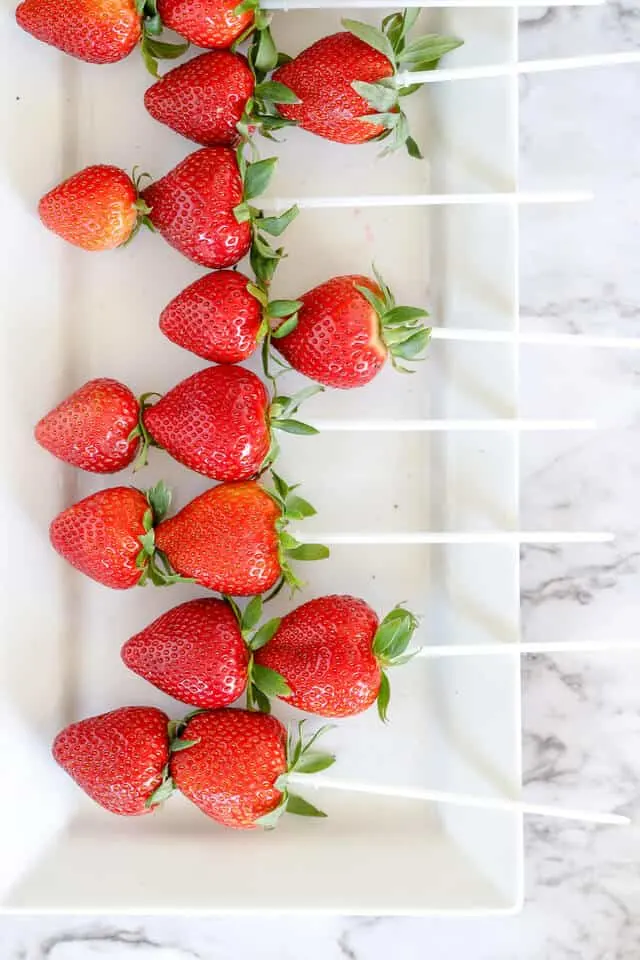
211, 24
215, 422
117, 758
230, 773
98, 31
215, 317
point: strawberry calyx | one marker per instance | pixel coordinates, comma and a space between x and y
401, 328
406, 57
262, 682
142, 208
153, 562
175, 729
280, 417
292, 507
151, 48
390, 649
300, 759
141, 433
256, 176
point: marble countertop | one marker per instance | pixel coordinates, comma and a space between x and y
579, 273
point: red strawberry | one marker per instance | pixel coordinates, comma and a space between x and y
345, 78
118, 758
204, 99
232, 538
99, 31
218, 422
236, 771
109, 536
194, 652
96, 209
216, 318
193, 208
100, 536
347, 327
213, 24
91, 429
332, 655
200, 652
215, 422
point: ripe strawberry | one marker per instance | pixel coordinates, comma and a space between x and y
118, 758
109, 536
200, 652
92, 428
218, 422
236, 770
347, 85
212, 24
232, 538
346, 329
98, 31
216, 318
333, 654
96, 209
223, 316
193, 208
204, 99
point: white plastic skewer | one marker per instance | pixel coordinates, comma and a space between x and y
472, 536
279, 204
537, 339
321, 781
438, 651
372, 4
406, 78
446, 426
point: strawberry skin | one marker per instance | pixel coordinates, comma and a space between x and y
91, 428
215, 422
100, 536
192, 207
211, 24
117, 758
98, 31
230, 773
203, 99
324, 651
94, 209
194, 653
226, 539
337, 339
321, 77
216, 318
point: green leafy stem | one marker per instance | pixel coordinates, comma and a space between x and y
402, 329
151, 47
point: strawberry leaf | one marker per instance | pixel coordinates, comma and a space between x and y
384, 695
299, 508
286, 327
275, 226
302, 808
309, 551
410, 349
314, 762
161, 793
371, 36
378, 95
270, 820
283, 308
251, 615
275, 92
159, 499
294, 426
428, 49
177, 745
264, 634
258, 176
269, 681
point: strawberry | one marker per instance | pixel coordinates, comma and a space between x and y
200, 652
218, 422
332, 654
233, 539
345, 330
98, 31
236, 767
92, 428
223, 316
96, 209
204, 99
118, 758
109, 536
215, 101
212, 24
202, 208
347, 83
217, 318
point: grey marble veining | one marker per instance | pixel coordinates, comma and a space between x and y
579, 273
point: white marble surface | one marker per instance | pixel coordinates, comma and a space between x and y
579, 270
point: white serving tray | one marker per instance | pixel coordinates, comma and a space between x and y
382, 483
